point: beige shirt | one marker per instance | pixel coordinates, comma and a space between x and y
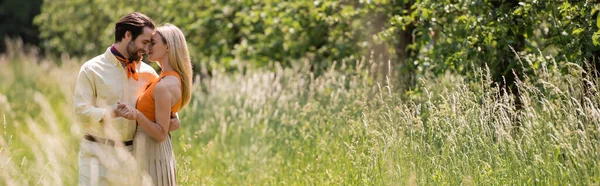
101, 83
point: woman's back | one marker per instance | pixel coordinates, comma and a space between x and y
146, 102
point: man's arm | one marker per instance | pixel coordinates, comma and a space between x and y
84, 99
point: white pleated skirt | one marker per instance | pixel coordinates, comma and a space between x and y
156, 160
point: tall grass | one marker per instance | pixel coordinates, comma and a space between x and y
288, 127
39, 140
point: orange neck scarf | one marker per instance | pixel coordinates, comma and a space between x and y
130, 65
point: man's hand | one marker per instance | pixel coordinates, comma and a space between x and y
174, 123
116, 112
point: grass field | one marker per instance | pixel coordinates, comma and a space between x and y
288, 127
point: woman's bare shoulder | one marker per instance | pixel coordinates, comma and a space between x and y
168, 83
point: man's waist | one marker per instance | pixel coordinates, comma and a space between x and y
125, 132
107, 141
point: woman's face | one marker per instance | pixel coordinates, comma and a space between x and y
158, 49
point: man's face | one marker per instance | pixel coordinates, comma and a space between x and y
137, 48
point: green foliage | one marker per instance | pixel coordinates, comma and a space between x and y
417, 36
220, 34
496, 33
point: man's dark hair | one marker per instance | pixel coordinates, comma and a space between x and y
134, 23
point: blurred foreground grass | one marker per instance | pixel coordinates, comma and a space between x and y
287, 127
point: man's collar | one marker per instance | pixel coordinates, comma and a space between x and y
111, 57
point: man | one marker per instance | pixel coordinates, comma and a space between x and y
104, 84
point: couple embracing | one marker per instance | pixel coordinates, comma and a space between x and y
127, 110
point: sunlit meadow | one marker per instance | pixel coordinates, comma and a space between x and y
286, 126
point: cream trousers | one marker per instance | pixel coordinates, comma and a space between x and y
101, 165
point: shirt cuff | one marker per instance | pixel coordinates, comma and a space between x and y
98, 114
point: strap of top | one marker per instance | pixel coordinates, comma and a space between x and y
170, 72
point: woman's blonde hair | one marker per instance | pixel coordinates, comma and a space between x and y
179, 58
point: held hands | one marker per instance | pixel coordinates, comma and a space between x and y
126, 112
130, 113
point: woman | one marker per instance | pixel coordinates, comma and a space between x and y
170, 92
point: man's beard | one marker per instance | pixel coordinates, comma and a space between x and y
132, 52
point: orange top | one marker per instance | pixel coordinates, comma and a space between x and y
145, 103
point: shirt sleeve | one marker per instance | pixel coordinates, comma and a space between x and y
85, 98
